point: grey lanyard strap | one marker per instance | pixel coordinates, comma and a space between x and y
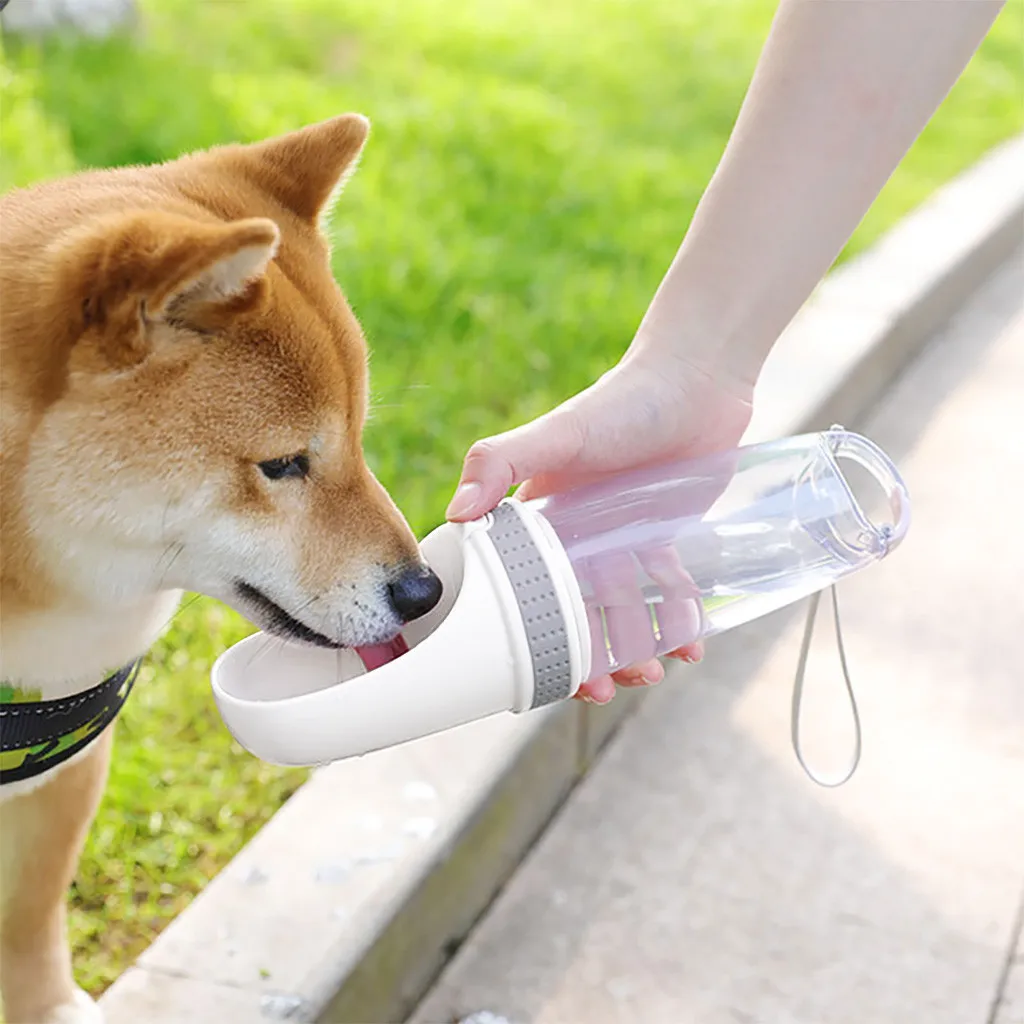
798, 692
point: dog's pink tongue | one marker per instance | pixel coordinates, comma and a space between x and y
380, 654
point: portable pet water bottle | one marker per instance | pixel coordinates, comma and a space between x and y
543, 595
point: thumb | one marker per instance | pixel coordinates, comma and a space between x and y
495, 464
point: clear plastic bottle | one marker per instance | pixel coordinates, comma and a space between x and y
541, 596
668, 555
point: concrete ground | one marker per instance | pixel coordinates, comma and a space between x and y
697, 877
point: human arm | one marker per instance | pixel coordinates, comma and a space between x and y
840, 92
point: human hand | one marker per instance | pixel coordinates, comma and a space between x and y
650, 408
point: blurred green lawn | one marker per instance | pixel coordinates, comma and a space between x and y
532, 169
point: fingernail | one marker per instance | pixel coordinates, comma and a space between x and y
464, 500
650, 682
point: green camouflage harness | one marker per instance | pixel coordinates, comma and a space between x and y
37, 735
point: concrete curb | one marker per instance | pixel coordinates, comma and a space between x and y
348, 903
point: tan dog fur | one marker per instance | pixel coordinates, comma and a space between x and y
164, 330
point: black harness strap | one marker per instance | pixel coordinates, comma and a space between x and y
45, 733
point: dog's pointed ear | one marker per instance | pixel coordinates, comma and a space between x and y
128, 271
305, 169
215, 264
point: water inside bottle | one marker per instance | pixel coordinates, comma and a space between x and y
625, 633
708, 545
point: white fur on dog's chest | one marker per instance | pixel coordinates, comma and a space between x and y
65, 651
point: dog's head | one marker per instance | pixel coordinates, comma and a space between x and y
205, 433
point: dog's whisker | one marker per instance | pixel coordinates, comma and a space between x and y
180, 609
163, 518
306, 604
268, 643
177, 548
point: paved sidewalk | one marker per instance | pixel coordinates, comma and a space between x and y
697, 877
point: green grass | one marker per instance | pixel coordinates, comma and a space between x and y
532, 169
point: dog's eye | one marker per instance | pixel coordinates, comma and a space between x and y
291, 465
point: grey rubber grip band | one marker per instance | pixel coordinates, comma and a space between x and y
538, 604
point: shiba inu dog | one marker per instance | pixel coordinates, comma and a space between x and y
183, 394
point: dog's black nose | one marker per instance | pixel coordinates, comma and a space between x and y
415, 592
